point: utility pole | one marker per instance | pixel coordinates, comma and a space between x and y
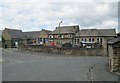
59, 32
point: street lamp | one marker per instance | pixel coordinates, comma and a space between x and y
59, 31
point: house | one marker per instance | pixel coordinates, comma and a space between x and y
114, 54
92, 37
63, 34
44, 36
12, 37
37, 37
32, 37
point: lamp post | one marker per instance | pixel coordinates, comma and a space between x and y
59, 31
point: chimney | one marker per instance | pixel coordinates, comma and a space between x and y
56, 27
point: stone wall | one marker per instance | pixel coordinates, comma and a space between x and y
64, 51
114, 58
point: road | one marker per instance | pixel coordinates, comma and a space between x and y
36, 66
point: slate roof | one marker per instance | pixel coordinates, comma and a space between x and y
15, 33
46, 31
113, 41
96, 32
32, 34
66, 29
35, 34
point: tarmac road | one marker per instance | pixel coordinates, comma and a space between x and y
36, 66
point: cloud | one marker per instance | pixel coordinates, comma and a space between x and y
36, 14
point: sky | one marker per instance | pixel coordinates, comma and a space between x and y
33, 15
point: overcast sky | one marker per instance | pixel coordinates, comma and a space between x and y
29, 15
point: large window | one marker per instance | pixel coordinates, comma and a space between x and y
83, 39
100, 40
91, 40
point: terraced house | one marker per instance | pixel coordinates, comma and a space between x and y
31, 37
12, 37
63, 35
37, 37
93, 37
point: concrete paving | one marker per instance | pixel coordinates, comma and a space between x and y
36, 66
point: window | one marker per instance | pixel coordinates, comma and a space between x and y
51, 36
44, 40
70, 35
89, 39
97, 39
92, 39
75, 41
101, 40
78, 40
84, 39
39, 40
60, 35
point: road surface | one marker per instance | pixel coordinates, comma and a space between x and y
36, 66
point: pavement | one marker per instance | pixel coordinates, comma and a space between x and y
36, 66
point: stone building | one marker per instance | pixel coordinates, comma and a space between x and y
94, 37
44, 36
63, 35
12, 37
31, 37
114, 54
36, 37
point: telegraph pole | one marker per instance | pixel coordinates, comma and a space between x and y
59, 31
